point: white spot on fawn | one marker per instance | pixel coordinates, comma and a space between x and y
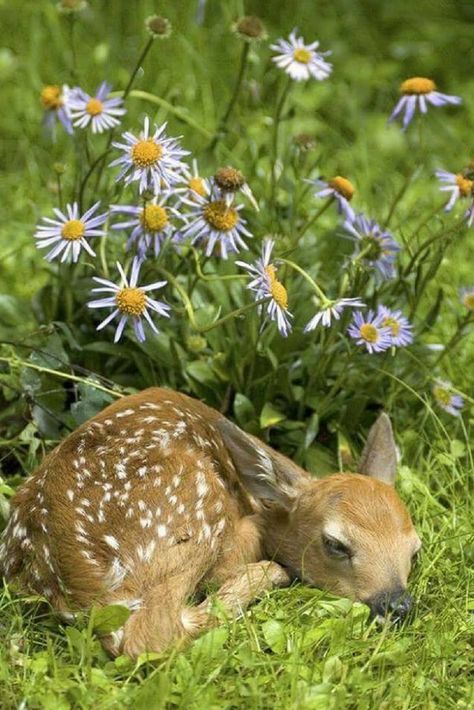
112, 542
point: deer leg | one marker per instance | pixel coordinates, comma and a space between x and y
235, 595
157, 624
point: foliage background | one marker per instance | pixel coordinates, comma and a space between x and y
297, 648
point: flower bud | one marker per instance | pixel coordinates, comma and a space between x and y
158, 27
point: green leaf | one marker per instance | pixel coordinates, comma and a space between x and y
243, 409
210, 646
201, 372
109, 618
458, 449
275, 636
269, 416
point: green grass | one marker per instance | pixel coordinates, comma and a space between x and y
297, 648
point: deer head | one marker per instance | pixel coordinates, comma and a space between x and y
347, 533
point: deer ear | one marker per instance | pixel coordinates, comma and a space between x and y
379, 457
263, 472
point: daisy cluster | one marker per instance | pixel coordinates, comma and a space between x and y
174, 207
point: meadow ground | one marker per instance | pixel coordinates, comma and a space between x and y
299, 647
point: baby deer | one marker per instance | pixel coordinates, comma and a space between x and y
159, 496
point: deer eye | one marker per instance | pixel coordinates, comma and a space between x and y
336, 548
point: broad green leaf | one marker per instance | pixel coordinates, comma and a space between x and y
270, 416
109, 618
275, 636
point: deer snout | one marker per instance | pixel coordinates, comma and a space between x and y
394, 604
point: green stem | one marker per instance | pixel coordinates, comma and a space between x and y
222, 126
58, 373
313, 219
456, 337
276, 126
308, 278
181, 115
99, 162
205, 277
134, 73
399, 196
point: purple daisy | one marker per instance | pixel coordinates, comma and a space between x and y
376, 244
98, 111
400, 327
447, 399
418, 92
368, 330
69, 232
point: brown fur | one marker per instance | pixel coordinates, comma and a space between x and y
157, 496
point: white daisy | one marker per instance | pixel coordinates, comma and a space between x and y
193, 182
152, 160
214, 223
151, 223
128, 300
457, 184
69, 232
98, 111
265, 284
300, 60
332, 310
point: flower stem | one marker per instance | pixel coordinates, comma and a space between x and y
308, 278
276, 126
99, 162
222, 126
309, 223
458, 335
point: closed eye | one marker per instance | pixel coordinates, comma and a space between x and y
336, 548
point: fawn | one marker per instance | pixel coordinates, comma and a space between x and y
159, 495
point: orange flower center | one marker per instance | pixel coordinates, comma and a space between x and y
303, 56
342, 186
146, 153
393, 324
94, 107
219, 216
279, 294
51, 97
72, 230
369, 333
131, 301
417, 85
465, 185
154, 218
196, 184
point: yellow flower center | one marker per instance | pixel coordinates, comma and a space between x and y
219, 216
465, 185
393, 324
51, 97
271, 272
154, 218
94, 107
72, 230
468, 301
196, 184
146, 153
278, 291
369, 333
417, 85
442, 394
342, 186
131, 301
303, 56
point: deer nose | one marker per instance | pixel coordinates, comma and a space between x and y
394, 604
